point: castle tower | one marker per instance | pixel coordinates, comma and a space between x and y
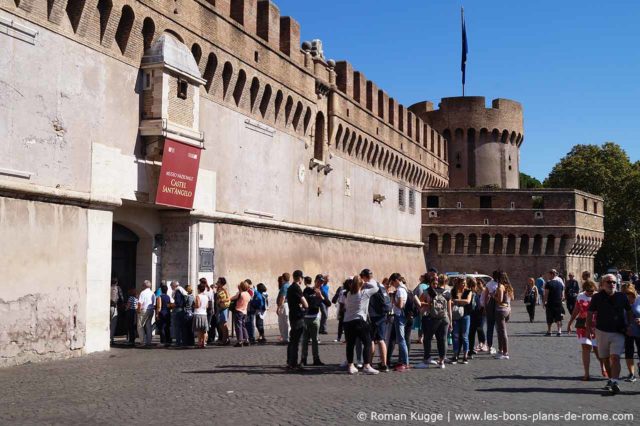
484, 143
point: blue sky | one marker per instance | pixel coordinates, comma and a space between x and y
574, 65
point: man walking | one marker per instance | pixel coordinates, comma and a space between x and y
571, 291
553, 297
178, 313
400, 299
611, 308
297, 305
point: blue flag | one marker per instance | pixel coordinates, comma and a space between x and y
465, 49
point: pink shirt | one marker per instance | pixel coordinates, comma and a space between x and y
242, 302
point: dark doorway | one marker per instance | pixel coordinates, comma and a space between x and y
123, 265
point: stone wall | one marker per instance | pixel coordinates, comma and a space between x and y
43, 304
263, 254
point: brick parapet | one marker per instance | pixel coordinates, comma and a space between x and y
249, 35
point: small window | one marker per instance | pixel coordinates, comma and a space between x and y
347, 112
485, 202
595, 207
459, 205
538, 215
537, 202
256, 56
486, 221
433, 202
401, 200
513, 205
584, 205
183, 88
146, 80
412, 201
433, 213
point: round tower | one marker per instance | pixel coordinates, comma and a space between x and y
484, 143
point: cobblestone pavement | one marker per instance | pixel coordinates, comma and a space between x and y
226, 385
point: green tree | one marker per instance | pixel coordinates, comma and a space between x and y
529, 182
606, 171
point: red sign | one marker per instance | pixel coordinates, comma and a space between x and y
178, 175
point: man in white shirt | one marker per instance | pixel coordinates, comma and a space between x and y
489, 306
146, 308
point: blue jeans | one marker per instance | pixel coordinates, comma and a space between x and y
251, 317
177, 321
399, 324
461, 333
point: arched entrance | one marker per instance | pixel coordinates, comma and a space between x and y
123, 264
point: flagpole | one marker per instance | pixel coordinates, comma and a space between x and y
463, 53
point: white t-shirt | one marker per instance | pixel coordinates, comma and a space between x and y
401, 293
204, 301
147, 299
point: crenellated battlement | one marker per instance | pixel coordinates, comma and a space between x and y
251, 60
479, 136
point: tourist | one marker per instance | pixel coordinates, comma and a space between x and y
355, 323
189, 308
210, 309
283, 308
436, 320
552, 300
611, 307
115, 302
411, 313
338, 301
177, 313
315, 298
579, 315
503, 297
461, 305
531, 298
200, 323
324, 308
422, 286
571, 290
241, 305
379, 309
261, 305
163, 315
477, 318
297, 305
632, 340
132, 305
489, 309
222, 305
540, 286
146, 307
399, 321
250, 318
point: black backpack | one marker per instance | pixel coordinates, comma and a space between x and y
380, 303
411, 308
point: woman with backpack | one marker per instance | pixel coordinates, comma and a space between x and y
436, 320
461, 301
531, 298
502, 298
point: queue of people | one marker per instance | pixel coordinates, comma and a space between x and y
462, 312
